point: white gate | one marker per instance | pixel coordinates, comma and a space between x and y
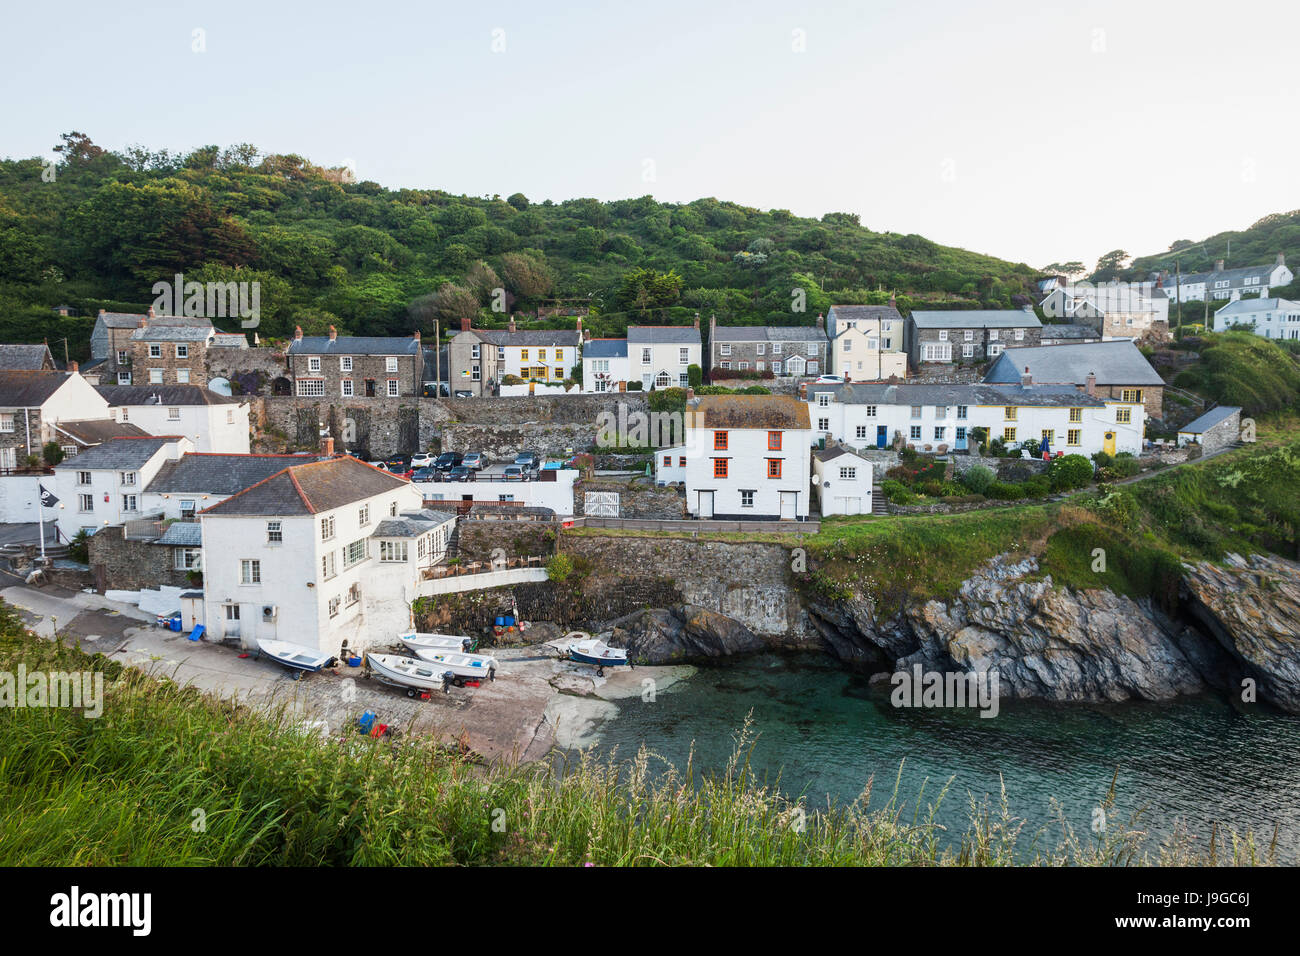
600, 504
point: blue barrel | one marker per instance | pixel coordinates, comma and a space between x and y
500, 622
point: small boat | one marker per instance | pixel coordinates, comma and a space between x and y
463, 666
294, 656
408, 673
438, 642
593, 651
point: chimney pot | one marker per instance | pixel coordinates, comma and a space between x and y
821, 320
297, 333
512, 323
1026, 379
74, 366
464, 324
1218, 265
327, 446
1281, 259
697, 320
416, 335
103, 311
334, 334
1090, 385
151, 312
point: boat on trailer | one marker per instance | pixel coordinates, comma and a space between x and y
598, 653
438, 642
463, 666
296, 657
410, 674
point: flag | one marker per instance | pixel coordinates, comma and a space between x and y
47, 499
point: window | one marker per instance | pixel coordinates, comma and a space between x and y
1020, 335
230, 418
1073, 436
123, 378
726, 365
761, 349
823, 399
937, 352
345, 363
916, 411
1076, 414
274, 532
860, 431
943, 336
354, 594
720, 468
1009, 413
155, 376
501, 353
1130, 395
474, 351
1008, 434
363, 516
1123, 415
719, 441
823, 424
938, 432
968, 335
523, 355
6, 422
346, 388
187, 509
182, 351
773, 441
848, 474
392, 551
390, 364
173, 414
250, 571
392, 510
848, 345
683, 378
961, 412
475, 375
776, 368
335, 601
645, 356
121, 356
993, 335
311, 387
85, 503
684, 355
776, 348
663, 381
871, 411
681, 461
743, 366
155, 351
188, 559
129, 503
328, 565
995, 349
327, 528
83, 477
967, 351
1049, 435
355, 553
69, 451
774, 468
759, 366
394, 388
746, 499
668, 461
724, 349
313, 363
914, 433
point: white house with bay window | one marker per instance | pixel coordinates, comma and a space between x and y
660, 355
1269, 318
320, 554
746, 457
605, 366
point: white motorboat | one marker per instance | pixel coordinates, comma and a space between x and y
464, 666
597, 652
438, 642
294, 656
408, 673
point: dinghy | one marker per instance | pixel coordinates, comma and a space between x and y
296, 657
463, 666
438, 642
408, 673
593, 651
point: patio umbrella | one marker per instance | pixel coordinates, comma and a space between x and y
1046, 448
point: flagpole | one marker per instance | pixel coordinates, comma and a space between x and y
40, 520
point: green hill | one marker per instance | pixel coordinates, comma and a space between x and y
98, 229
1257, 245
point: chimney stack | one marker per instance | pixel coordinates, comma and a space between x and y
893, 303
103, 311
1026, 379
1090, 385
74, 366
1218, 265
1281, 259
327, 446
334, 334
297, 333
697, 320
579, 328
416, 335
512, 323
821, 321
151, 313
464, 324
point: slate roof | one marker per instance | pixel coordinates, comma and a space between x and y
94, 431
29, 389
751, 411
605, 348
528, 338
23, 357
1228, 275
883, 393
116, 453
848, 314
1215, 416
117, 395
182, 534
173, 333
835, 451
663, 335
1064, 330
769, 333
1114, 363
218, 474
412, 524
230, 340
976, 319
122, 320
355, 345
309, 488
1257, 305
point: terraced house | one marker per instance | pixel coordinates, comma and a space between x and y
780, 349
346, 366
866, 342
480, 358
1221, 283
969, 336
33, 403
661, 355
1115, 371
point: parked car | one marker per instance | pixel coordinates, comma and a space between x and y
464, 393
448, 460
430, 392
528, 460
830, 380
425, 474
422, 459
515, 473
474, 460
399, 468
460, 473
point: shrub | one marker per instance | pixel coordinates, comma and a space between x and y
634, 386
897, 492
695, 376
52, 453
1005, 491
1069, 471
559, 567
79, 548
1039, 486
978, 478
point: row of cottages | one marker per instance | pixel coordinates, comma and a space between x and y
355, 366
781, 349
657, 356
866, 342
941, 418
1269, 318
970, 336
129, 348
1115, 310
479, 359
745, 457
1224, 283
1115, 371
327, 554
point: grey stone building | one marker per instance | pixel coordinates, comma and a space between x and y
1217, 429
781, 350
348, 366
969, 336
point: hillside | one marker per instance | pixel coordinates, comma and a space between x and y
1256, 245
100, 228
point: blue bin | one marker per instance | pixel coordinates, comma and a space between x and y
366, 721
500, 622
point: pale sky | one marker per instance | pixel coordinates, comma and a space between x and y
1019, 129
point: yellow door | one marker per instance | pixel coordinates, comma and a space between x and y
1110, 443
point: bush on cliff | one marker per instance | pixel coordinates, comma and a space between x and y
1069, 472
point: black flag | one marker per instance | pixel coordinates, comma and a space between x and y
47, 499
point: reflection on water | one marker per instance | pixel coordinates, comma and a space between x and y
822, 732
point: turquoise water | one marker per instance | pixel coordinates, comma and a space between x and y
823, 731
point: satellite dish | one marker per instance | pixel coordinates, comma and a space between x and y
220, 385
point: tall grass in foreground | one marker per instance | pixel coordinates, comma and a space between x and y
169, 777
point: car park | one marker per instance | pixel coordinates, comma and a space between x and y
475, 461
422, 459
448, 460
515, 473
527, 460
425, 474
460, 473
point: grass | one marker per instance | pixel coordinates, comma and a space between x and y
167, 776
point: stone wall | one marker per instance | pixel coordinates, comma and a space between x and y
249, 371
503, 442
478, 540
119, 564
637, 498
373, 427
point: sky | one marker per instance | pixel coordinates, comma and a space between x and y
1033, 131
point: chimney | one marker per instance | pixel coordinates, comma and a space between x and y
464, 324
1026, 379
697, 320
1090, 385
74, 367
1281, 259
150, 313
512, 323
334, 334
893, 303
416, 335
103, 311
579, 328
1218, 265
327, 446
690, 393
297, 333
821, 321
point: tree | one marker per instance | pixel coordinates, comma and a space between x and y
77, 148
525, 276
1110, 265
52, 453
1067, 269
518, 200
452, 302
645, 289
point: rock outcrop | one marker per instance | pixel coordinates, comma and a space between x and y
680, 633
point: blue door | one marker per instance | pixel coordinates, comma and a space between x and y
961, 439
882, 436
